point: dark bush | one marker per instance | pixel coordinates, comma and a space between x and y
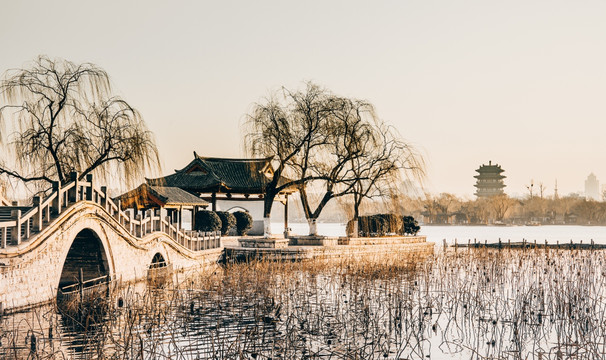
228, 221
243, 222
207, 221
382, 224
392, 223
410, 226
372, 225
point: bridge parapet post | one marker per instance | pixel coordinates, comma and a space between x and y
57, 201
16, 232
89, 187
103, 199
72, 194
166, 223
119, 212
131, 222
137, 229
37, 221
151, 226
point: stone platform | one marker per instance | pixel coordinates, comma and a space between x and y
308, 247
310, 240
262, 242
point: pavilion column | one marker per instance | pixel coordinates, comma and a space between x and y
194, 211
214, 201
180, 217
285, 214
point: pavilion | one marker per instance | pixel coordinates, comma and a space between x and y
166, 200
228, 181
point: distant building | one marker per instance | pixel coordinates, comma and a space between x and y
489, 180
592, 188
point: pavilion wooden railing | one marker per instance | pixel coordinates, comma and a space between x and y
18, 223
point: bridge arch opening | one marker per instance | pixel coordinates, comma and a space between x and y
157, 261
86, 261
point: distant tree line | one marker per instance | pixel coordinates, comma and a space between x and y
447, 208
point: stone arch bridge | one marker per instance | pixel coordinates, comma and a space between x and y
79, 234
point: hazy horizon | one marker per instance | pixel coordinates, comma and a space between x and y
517, 83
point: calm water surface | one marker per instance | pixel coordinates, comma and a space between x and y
449, 308
551, 233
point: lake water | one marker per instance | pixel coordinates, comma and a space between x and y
475, 304
551, 233
458, 305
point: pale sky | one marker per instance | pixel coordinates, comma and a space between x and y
521, 83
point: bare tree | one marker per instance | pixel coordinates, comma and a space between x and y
530, 187
63, 118
542, 189
381, 161
500, 205
325, 145
278, 128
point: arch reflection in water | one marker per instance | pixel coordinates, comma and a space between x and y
160, 272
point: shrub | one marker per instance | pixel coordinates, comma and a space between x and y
372, 225
228, 221
382, 224
207, 221
410, 225
243, 222
392, 223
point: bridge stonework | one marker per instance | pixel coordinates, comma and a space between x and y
30, 272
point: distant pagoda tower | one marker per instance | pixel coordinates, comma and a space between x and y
489, 181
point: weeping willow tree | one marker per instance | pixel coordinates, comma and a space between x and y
328, 147
289, 127
60, 117
382, 163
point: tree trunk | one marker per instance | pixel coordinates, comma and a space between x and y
266, 227
354, 228
313, 228
268, 201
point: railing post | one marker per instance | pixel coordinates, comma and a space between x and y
118, 212
16, 233
138, 227
81, 285
3, 240
104, 197
57, 203
47, 212
144, 225
72, 194
89, 188
163, 216
38, 217
26, 228
150, 227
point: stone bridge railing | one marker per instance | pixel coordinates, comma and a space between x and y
19, 223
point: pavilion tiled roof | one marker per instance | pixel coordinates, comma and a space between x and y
146, 196
210, 174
